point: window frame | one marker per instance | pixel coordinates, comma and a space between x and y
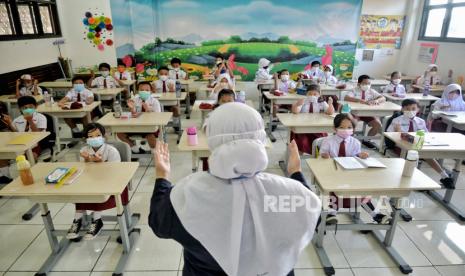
445, 26
34, 5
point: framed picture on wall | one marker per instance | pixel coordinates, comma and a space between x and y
368, 55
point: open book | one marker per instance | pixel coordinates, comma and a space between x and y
355, 163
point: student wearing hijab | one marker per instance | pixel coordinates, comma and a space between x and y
329, 78
430, 76
223, 82
263, 72
451, 100
220, 217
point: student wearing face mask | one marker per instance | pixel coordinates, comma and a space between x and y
221, 67
166, 85
409, 122
451, 100
314, 73
284, 82
95, 151
329, 78
79, 94
27, 86
146, 102
431, 76
343, 144
176, 72
121, 75
224, 82
363, 93
105, 80
313, 104
395, 87
264, 69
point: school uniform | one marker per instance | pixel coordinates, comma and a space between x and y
122, 76
304, 141
177, 74
437, 125
407, 125
311, 74
104, 82
331, 80
108, 154
29, 91
368, 95
153, 105
285, 86
22, 125
263, 74
397, 89
83, 96
164, 86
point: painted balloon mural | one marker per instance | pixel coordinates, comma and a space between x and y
98, 30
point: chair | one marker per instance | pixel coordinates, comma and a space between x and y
48, 144
124, 152
316, 145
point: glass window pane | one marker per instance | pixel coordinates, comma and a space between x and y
5, 24
26, 19
46, 19
435, 21
437, 2
457, 23
458, 1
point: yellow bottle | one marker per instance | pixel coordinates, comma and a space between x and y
24, 168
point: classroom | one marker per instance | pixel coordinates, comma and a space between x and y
240, 138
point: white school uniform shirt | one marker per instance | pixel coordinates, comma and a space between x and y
317, 107
370, 94
330, 80
122, 76
319, 74
331, 145
108, 153
404, 122
85, 95
181, 74
262, 75
436, 80
285, 86
159, 85
99, 82
39, 120
399, 89
152, 103
25, 91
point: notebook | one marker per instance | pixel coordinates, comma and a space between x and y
355, 163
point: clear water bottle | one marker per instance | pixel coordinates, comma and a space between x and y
426, 89
117, 109
47, 99
178, 89
138, 106
241, 97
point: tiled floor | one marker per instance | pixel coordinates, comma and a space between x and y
434, 243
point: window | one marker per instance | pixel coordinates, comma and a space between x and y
443, 20
28, 19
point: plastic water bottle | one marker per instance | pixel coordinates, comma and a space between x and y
241, 97
47, 99
24, 168
192, 138
178, 89
118, 110
419, 139
411, 162
138, 106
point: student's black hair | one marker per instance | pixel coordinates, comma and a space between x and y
3, 109
163, 68
219, 56
408, 102
175, 60
315, 62
25, 100
393, 73
225, 92
341, 117
281, 71
313, 87
363, 77
75, 78
120, 63
142, 83
104, 65
93, 126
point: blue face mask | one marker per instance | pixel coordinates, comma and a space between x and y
79, 87
29, 111
144, 95
95, 142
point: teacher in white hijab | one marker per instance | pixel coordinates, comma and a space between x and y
229, 220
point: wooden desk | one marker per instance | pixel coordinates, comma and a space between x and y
97, 183
455, 149
103, 93
331, 90
57, 85
204, 112
389, 182
8, 151
128, 84
11, 100
436, 90
169, 98
403, 77
457, 121
262, 87
424, 101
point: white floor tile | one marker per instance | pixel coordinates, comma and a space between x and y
394, 271
320, 272
60, 273
139, 273
14, 239
309, 259
451, 270
12, 211
422, 207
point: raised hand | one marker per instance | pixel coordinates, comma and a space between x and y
293, 162
162, 160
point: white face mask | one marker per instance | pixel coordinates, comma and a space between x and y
163, 77
365, 87
433, 73
410, 114
313, 99
285, 77
328, 74
315, 68
396, 81
105, 73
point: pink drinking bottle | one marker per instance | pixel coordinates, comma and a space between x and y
192, 136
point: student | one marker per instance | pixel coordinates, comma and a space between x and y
314, 73
121, 73
79, 94
27, 86
313, 104
148, 103
221, 67
6, 125
165, 85
409, 122
224, 82
329, 78
263, 72
343, 144
220, 217
95, 151
284, 82
30, 120
451, 100
177, 73
430, 76
363, 93
105, 80
395, 87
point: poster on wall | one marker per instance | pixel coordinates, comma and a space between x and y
428, 52
153, 32
381, 31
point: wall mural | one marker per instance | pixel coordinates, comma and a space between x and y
290, 33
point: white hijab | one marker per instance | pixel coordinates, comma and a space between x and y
224, 209
455, 105
218, 87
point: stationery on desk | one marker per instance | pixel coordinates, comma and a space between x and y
355, 163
